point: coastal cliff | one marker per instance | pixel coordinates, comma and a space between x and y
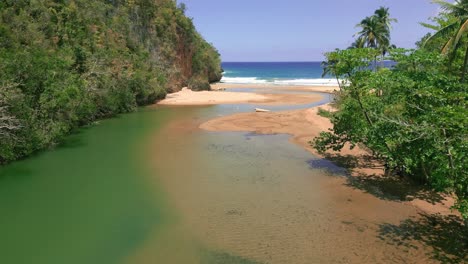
64, 64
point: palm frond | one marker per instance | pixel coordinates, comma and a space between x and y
458, 7
426, 25
456, 16
443, 32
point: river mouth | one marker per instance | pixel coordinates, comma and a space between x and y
257, 198
153, 187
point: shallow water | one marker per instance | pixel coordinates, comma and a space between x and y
261, 199
150, 187
236, 108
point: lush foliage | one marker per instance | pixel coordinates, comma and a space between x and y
412, 115
66, 63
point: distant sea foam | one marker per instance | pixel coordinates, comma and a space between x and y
276, 73
292, 82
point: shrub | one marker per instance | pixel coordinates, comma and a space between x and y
199, 84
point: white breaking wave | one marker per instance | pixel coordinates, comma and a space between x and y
298, 82
312, 82
242, 80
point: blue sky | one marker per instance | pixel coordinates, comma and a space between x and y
298, 30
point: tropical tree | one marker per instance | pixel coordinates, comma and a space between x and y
454, 33
416, 122
375, 31
383, 16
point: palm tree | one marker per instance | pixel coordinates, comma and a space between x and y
383, 16
454, 31
375, 31
374, 34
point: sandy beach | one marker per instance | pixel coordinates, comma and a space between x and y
303, 125
219, 96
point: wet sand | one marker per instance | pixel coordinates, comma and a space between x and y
322, 89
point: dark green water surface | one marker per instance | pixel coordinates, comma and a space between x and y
85, 201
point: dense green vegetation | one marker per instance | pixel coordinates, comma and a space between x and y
412, 115
66, 63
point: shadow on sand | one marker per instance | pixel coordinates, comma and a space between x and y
388, 187
447, 235
214, 257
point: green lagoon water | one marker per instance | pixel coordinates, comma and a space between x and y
84, 202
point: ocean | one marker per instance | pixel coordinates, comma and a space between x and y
277, 73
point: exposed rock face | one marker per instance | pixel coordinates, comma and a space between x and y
189, 72
197, 63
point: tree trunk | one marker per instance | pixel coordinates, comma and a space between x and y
375, 64
361, 105
465, 63
382, 64
369, 121
366, 115
339, 84
449, 153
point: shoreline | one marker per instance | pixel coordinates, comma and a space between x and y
218, 95
302, 125
302, 88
